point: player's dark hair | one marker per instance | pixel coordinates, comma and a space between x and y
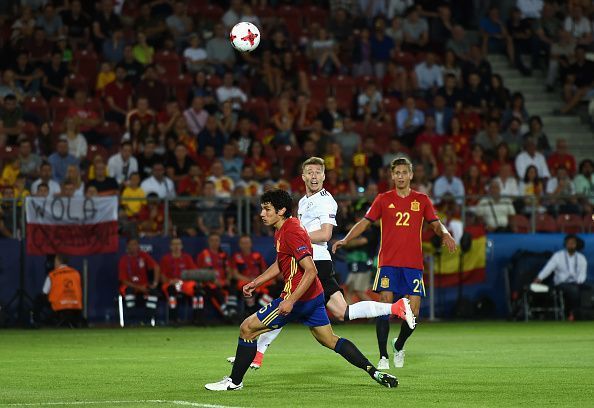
63, 259
313, 160
401, 161
279, 199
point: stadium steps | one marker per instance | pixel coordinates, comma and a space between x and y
538, 102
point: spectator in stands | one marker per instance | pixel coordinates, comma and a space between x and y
395, 32
196, 116
28, 160
62, 294
578, 25
195, 55
55, 80
370, 103
570, 270
458, 43
331, 118
495, 37
474, 95
118, 97
10, 86
409, 120
219, 50
113, 47
283, 121
104, 23
190, 185
495, 210
87, 118
561, 192
151, 218
134, 268
148, 158
106, 186
584, 181
450, 92
50, 22
508, 184
45, 177
348, 139
142, 51
530, 156
210, 212
562, 158
27, 77
178, 164
143, 114
489, 138
152, 89
251, 186
532, 189
524, 40
224, 185
257, 159
211, 136
234, 14
133, 196
61, 159
448, 183
121, 165
561, 55
479, 64
42, 190
38, 48
77, 144
474, 183
513, 136
11, 121
498, 96
232, 162
579, 82
11, 170
158, 183
516, 110
380, 49
428, 76
134, 69
536, 131
323, 53
76, 24
73, 176
180, 24
416, 31
237, 129
229, 91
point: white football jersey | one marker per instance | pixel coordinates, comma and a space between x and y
314, 211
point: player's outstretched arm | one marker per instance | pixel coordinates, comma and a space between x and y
357, 230
272, 271
446, 238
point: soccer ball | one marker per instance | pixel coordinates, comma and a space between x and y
245, 37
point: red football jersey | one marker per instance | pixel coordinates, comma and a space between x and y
172, 268
134, 268
209, 259
251, 265
292, 245
401, 221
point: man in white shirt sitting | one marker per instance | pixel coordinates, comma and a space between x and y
196, 115
530, 156
121, 165
448, 183
508, 184
158, 183
495, 210
570, 271
229, 91
428, 76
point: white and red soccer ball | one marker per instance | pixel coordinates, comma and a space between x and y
245, 37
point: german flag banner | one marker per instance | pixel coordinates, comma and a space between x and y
447, 266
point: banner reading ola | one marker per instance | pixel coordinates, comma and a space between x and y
72, 226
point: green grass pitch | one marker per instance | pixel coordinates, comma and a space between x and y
485, 364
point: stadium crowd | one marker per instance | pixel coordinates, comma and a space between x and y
147, 100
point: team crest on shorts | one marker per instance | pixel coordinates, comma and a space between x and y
415, 206
385, 282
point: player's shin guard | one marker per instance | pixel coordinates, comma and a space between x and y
246, 351
351, 353
266, 338
405, 333
382, 329
367, 309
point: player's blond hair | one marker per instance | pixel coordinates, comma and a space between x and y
401, 161
314, 160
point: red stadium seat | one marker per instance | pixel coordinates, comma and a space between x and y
8, 152
87, 64
210, 12
77, 82
37, 106
95, 150
214, 81
406, 60
292, 19
344, 91
589, 223
391, 105
381, 132
30, 130
360, 128
59, 107
546, 223
318, 87
181, 86
287, 157
95, 105
570, 223
112, 131
519, 223
315, 14
169, 62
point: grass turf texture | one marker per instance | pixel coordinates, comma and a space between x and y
447, 364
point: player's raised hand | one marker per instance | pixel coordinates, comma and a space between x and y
338, 244
285, 307
449, 243
248, 289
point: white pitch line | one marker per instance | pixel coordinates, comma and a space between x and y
184, 403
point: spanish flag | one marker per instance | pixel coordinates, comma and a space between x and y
447, 265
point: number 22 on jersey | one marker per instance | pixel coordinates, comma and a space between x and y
402, 219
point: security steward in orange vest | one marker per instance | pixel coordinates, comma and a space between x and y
62, 293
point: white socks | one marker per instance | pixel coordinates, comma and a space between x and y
265, 339
367, 309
